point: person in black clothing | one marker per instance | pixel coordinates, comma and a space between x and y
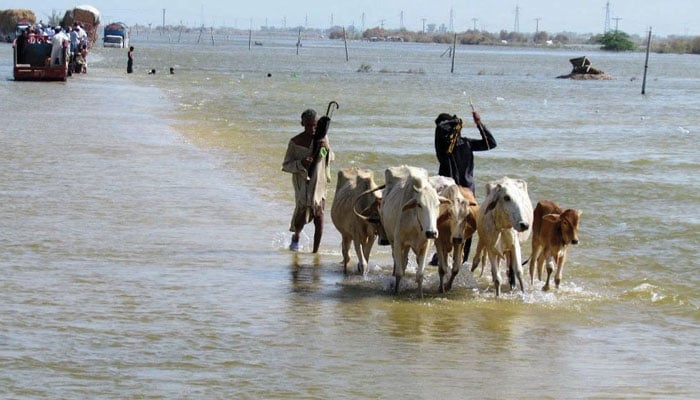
456, 154
130, 60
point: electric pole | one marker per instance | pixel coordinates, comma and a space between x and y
606, 27
474, 20
617, 21
516, 27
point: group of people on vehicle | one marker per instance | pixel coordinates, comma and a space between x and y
74, 38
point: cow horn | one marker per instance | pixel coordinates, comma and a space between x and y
366, 192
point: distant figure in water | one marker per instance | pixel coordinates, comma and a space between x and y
130, 61
172, 71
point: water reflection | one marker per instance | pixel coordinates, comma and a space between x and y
306, 277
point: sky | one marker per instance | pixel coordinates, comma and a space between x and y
665, 17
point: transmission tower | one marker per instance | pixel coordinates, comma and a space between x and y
452, 20
516, 26
606, 28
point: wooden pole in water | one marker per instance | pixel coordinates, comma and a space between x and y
298, 41
646, 64
345, 38
250, 36
454, 46
212, 35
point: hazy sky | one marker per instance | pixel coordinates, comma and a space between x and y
665, 17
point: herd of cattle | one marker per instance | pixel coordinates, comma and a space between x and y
413, 210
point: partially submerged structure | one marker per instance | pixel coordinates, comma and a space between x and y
583, 70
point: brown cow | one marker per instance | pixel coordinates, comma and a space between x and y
553, 230
456, 224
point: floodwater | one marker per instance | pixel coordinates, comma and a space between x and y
144, 226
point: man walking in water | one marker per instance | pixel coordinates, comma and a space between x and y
456, 154
309, 191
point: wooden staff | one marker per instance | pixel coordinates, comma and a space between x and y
479, 125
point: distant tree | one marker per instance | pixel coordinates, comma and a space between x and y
336, 32
561, 38
616, 41
695, 46
512, 37
374, 32
541, 37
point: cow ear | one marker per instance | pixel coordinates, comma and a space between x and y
554, 218
444, 200
491, 205
490, 187
411, 204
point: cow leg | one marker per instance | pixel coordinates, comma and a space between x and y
421, 257
541, 259
361, 263
478, 256
550, 269
457, 253
466, 248
367, 246
533, 264
560, 269
400, 265
442, 267
345, 248
511, 270
518, 266
495, 274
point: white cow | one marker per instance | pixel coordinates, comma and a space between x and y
409, 211
456, 224
503, 222
352, 183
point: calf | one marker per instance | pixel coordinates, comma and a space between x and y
456, 223
553, 230
352, 182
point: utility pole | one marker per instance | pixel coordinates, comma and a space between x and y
474, 20
423, 19
606, 26
401, 23
162, 32
516, 26
617, 21
646, 64
537, 28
